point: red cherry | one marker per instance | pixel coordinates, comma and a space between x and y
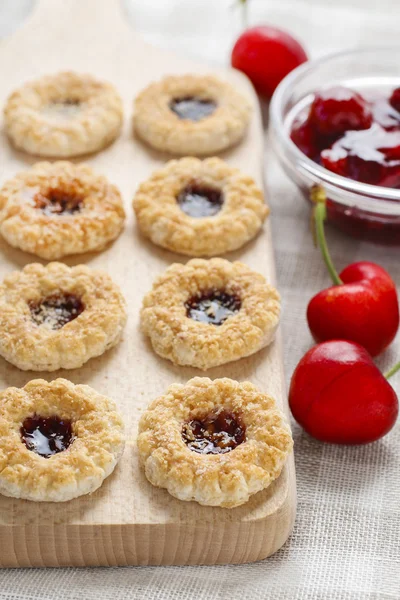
338, 395
395, 99
266, 55
339, 109
303, 135
362, 306
364, 309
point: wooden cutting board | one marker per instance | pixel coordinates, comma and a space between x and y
128, 521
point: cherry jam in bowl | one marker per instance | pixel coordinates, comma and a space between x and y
336, 122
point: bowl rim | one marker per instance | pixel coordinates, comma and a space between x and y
307, 165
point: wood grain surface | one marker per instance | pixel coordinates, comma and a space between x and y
128, 521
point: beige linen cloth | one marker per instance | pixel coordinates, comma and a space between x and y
346, 540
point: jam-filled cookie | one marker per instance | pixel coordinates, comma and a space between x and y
191, 114
199, 207
58, 317
58, 440
63, 115
56, 209
210, 312
215, 442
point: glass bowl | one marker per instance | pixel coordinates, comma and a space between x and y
362, 210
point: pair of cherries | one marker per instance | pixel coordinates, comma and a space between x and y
337, 394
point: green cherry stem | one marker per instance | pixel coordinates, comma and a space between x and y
392, 371
245, 13
318, 197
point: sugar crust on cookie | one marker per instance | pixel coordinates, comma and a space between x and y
30, 346
225, 480
185, 341
81, 468
156, 124
161, 219
25, 225
63, 115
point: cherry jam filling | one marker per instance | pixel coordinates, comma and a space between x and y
213, 307
353, 136
371, 156
56, 311
46, 435
192, 108
198, 200
58, 202
217, 433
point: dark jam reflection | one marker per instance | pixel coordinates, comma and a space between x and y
56, 311
58, 202
217, 433
192, 108
213, 307
46, 435
198, 200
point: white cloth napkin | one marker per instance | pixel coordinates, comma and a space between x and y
345, 544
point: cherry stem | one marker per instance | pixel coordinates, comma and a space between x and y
392, 371
245, 13
318, 197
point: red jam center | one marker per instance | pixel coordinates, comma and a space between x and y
216, 433
213, 307
352, 136
192, 108
198, 200
56, 311
46, 435
58, 202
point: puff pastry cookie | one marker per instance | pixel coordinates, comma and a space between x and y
58, 440
191, 114
58, 317
210, 312
63, 115
56, 209
199, 207
215, 442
